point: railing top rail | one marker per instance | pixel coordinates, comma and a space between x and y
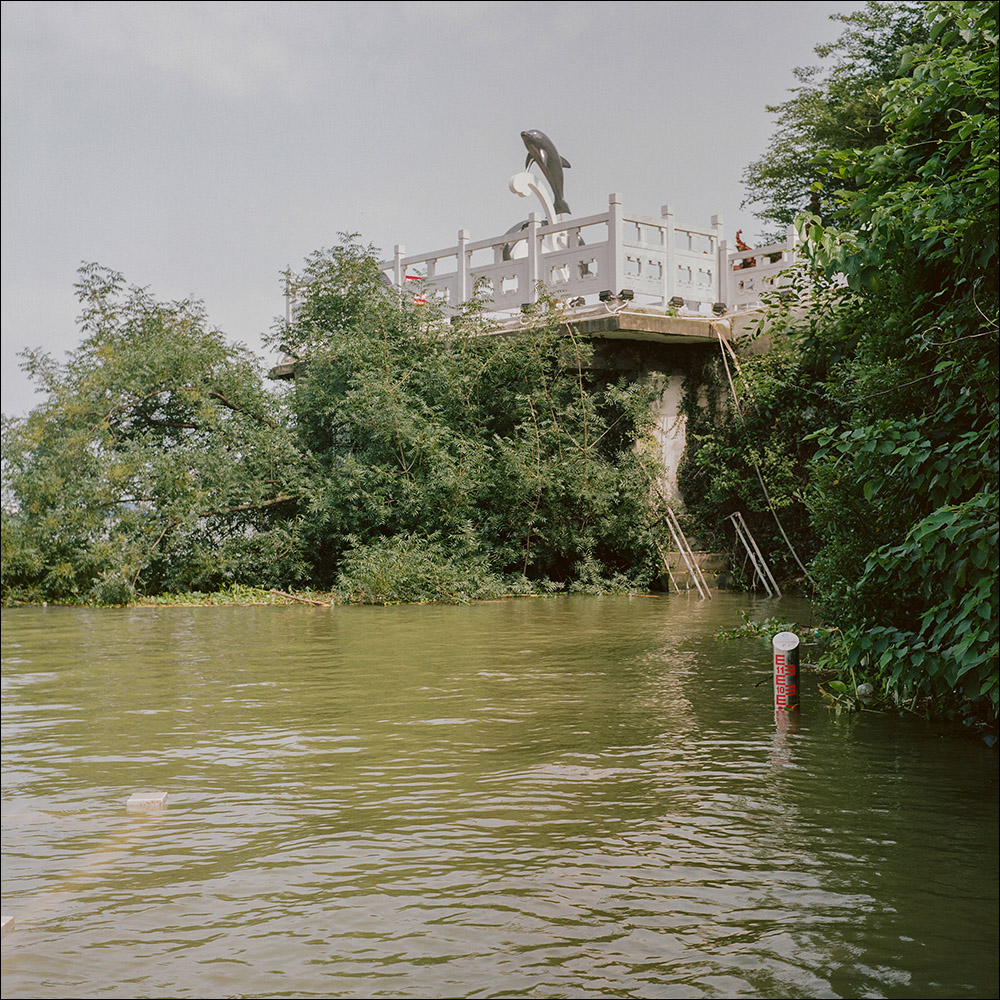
543, 230
662, 222
419, 258
782, 247
497, 241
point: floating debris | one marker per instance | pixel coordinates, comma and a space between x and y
146, 801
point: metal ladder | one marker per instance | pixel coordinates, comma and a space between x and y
761, 572
681, 542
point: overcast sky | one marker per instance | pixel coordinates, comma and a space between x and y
200, 148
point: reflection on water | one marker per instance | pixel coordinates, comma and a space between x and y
570, 797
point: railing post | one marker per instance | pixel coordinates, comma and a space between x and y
792, 239
397, 266
669, 266
462, 260
534, 256
721, 284
727, 282
616, 275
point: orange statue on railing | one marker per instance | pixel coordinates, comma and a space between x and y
740, 245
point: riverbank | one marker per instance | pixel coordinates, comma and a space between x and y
399, 584
235, 596
240, 595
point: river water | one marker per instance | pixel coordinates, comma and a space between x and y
575, 797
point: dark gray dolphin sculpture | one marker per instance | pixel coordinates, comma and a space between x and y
543, 152
516, 228
520, 227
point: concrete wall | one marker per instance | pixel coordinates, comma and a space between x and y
670, 431
665, 366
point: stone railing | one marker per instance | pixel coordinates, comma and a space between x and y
665, 265
752, 272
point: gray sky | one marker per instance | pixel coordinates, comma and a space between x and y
200, 148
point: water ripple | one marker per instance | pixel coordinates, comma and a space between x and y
541, 798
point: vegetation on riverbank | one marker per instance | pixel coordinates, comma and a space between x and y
881, 387
413, 458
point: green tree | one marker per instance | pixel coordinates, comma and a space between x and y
836, 106
157, 460
413, 458
752, 455
906, 485
877, 411
458, 451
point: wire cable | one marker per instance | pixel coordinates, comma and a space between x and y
756, 467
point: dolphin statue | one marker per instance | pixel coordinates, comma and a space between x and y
520, 227
543, 152
517, 228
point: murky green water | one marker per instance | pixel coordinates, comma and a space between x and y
549, 798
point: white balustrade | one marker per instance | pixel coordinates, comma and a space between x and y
754, 272
580, 257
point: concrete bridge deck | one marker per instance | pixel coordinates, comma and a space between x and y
636, 325
645, 325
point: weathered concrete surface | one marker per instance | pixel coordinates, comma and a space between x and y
637, 326
670, 431
650, 326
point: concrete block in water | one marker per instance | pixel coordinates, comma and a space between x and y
7, 924
146, 801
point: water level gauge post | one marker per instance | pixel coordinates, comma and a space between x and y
786, 672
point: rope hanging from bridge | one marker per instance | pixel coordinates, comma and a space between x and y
756, 467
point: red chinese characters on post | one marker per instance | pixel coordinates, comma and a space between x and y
786, 672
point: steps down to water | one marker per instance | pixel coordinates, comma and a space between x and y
714, 566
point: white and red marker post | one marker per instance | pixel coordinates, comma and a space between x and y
786, 672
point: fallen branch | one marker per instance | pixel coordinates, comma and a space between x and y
302, 600
246, 506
